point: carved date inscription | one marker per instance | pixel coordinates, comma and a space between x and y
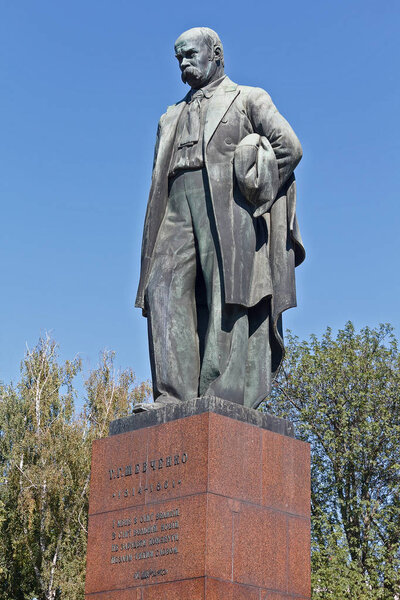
156, 486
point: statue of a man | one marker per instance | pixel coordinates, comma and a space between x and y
221, 239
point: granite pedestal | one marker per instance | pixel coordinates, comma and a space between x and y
204, 501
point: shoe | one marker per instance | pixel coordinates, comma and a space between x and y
161, 402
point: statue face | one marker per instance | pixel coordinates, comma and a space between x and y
196, 60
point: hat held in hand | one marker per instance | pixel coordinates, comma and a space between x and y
256, 171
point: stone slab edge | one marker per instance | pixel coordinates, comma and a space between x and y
198, 406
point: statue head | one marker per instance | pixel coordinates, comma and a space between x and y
200, 55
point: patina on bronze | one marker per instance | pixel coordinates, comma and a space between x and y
221, 239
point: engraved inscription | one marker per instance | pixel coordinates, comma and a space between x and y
151, 487
144, 536
150, 574
155, 464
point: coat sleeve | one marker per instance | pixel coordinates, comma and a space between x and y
157, 141
267, 121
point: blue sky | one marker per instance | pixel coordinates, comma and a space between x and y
82, 86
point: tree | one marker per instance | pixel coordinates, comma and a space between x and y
110, 395
343, 394
43, 468
45, 451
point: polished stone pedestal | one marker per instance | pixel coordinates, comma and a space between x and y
209, 501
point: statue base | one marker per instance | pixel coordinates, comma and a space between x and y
210, 502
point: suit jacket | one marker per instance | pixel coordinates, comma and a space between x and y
258, 255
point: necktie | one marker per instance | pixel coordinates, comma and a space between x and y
191, 129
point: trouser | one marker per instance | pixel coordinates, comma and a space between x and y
199, 345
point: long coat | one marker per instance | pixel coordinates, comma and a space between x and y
258, 255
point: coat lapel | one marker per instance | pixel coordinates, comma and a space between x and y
219, 104
167, 135
173, 113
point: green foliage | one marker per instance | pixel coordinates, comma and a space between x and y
45, 451
110, 396
343, 394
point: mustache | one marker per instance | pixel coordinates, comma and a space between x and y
191, 72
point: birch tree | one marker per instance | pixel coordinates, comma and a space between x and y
45, 450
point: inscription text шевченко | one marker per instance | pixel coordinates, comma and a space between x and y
148, 466
146, 535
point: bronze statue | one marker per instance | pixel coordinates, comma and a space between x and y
221, 238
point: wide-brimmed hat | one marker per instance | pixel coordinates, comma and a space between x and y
256, 171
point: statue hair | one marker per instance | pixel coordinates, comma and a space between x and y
211, 38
